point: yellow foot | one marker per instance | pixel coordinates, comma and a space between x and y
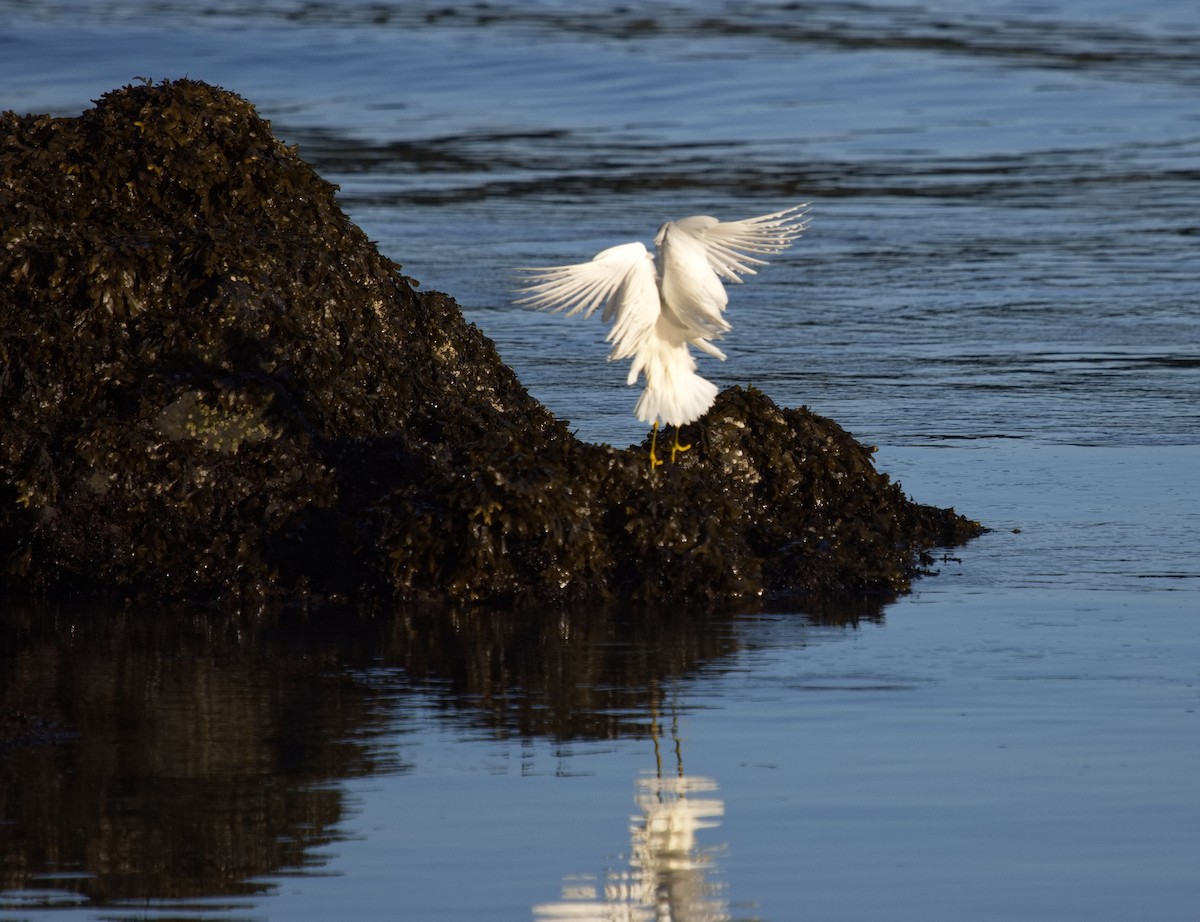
677, 448
655, 460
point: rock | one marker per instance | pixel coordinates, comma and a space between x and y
214, 387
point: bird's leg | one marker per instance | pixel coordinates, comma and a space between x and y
655, 461
677, 448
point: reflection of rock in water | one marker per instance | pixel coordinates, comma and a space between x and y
200, 759
668, 874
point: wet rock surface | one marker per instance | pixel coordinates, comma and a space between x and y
214, 387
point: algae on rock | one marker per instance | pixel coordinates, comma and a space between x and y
213, 386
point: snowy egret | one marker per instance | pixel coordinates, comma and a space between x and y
659, 305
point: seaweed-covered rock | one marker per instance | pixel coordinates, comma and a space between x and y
213, 386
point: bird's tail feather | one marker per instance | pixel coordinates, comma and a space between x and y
676, 395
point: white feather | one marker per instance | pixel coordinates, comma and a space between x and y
660, 305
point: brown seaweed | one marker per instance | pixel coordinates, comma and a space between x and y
214, 387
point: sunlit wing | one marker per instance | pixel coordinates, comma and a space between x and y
583, 286
728, 244
693, 298
620, 278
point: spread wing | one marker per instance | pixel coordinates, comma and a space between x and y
728, 244
693, 298
695, 253
621, 278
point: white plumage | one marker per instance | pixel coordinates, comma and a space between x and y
659, 305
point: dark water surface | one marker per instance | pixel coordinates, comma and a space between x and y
1000, 289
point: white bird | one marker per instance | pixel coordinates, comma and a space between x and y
659, 305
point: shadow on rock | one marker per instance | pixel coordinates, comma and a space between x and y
214, 387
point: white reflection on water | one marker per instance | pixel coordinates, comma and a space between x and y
668, 873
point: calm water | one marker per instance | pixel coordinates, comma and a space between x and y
1000, 288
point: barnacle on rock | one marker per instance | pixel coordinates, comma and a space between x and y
212, 385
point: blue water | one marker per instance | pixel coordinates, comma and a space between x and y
1000, 288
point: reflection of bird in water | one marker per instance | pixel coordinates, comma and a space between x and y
667, 876
659, 305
